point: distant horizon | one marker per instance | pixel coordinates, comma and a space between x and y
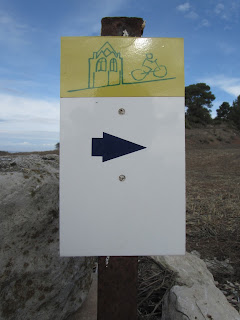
23, 151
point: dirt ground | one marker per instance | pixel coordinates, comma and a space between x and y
213, 203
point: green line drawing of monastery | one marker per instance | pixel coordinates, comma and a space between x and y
105, 68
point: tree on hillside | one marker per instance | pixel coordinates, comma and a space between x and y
223, 111
234, 114
198, 100
57, 146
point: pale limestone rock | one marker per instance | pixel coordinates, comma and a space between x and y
35, 283
195, 297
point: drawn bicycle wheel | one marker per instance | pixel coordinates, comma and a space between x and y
160, 71
138, 74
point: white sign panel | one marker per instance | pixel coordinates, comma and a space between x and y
122, 176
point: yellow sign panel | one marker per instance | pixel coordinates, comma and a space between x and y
122, 67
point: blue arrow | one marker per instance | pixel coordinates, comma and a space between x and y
110, 147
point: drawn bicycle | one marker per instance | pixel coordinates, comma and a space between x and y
149, 66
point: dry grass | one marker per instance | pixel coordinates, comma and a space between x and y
153, 282
213, 203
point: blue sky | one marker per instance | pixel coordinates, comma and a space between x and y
30, 34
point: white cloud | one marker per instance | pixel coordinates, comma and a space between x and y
28, 124
227, 27
184, 7
228, 11
10, 24
227, 84
28, 141
25, 143
226, 48
219, 8
25, 114
12, 32
192, 15
204, 23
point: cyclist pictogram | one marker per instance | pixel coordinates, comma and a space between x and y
149, 67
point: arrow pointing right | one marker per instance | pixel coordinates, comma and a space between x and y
110, 147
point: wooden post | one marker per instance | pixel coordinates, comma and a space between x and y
117, 288
122, 26
117, 276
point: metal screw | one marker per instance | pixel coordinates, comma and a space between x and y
122, 177
121, 111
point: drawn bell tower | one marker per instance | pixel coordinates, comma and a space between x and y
105, 68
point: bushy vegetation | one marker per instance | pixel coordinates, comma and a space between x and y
198, 102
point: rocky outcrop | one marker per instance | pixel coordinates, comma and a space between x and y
35, 282
195, 295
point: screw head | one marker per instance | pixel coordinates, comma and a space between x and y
122, 177
121, 111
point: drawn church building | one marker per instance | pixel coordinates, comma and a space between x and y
105, 68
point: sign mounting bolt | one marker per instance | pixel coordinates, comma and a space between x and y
121, 111
122, 177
